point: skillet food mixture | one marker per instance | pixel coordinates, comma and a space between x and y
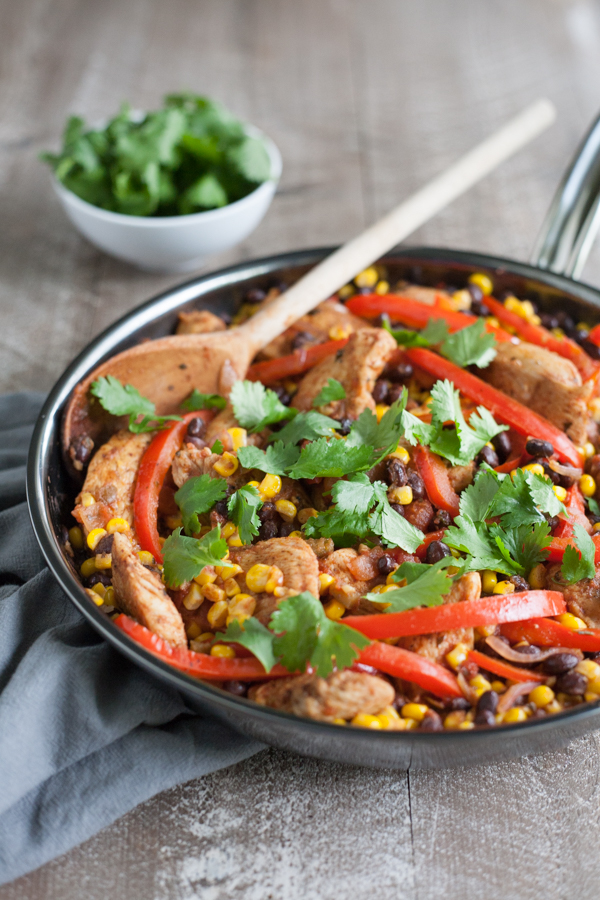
391, 523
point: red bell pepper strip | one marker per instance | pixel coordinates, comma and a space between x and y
411, 667
465, 614
594, 335
421, 550
503, 669
558, 546
503, 407
295, 363
575, 506
548, 633
518, 442
154, 466
537, 334
199, 665
416, 314
437, 481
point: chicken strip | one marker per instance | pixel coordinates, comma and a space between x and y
582, 598
141, 594
329, 321
350, 584
341, 695
357, 366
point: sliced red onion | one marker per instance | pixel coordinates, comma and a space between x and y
511, 695
569, 471
528, 656
468, 692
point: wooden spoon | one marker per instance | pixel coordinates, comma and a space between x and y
166, 370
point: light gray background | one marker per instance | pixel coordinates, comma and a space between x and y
367, 99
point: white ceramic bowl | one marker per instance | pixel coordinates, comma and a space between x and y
173, 243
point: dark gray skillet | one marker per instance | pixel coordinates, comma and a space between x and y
561, 251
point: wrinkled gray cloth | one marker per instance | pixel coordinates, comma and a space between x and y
84, 734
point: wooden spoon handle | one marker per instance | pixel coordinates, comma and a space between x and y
343, 264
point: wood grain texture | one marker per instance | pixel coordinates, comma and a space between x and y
367, 99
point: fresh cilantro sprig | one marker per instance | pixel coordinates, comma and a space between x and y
382, 436
333, 390
578, 560
243, 508
185, 557
277, 459
196, 496
125, 400
306, 426
469, 346
426, 585
434, 332
256, 406
197, 400
254, 636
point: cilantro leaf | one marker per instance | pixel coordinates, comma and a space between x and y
336, 642
578, 561
331, 459
253, 635
333, 390
542, 494
185, 557
125, 400
472, 345
196, 400
474, 539
256, 406
522, 547
306, 426
196, 496
276, 460
426, 586
514, 502
383, 436
217, 447
434, 333
391, 527
476, 499
593, 505
243, 508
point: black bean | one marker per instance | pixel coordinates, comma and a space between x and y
268, 511
437, 550
432, 721
402, 371
396, 391
591, 349
220, 507
519, 583
345, 426
582, 335
549, 472
549, 321
488, 701
301, 339
553, 521
398, 508
99, 578
238, 688
282, 394
458, 703
489, 456
593, 519
537, 447
381, 391
442, 519
279, 285
395, 472
476, 294
104, 545
268, 530
571, 683
417, 484
196, 442
567, 481
196, 427
286, 529
83, 449
255, 295
502, 446
485, 717
382, 321
559, 663
386, 564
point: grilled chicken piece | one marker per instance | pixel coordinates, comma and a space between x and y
582, 598
436, 646
546, 383
353, 579
341, 695
357, 367
199, 321
295, 559
110, 480
141, 594
428, 296
191, 461
325, 323
461, 476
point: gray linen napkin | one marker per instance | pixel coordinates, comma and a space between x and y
84, 734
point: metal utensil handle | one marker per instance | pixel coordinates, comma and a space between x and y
573, 219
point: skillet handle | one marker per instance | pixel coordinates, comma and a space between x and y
573, 219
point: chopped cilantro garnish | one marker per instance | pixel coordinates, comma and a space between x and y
254, 636
578, 561
125, 400
243, 508
275, 460
472, 345
434, 332
382, 436
426, 585
198, 495
593, 505
256, 406
217, 447
196, 400
331, 459
306, 426
332, 391
185, 557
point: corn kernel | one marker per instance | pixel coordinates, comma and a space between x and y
535, 468
206, 576
513, 305
109, 596
231, 587
414, 711
213, 594
402, 454
117, 524
275, 580
242, 605
528, 309
228, 570
270, 486
227, 530
554, 707
594, 686
559, 492
408, 724
145, 558
380, 411
239, 437
590, 697
334, 610
461, 300
516, 714
307, 513
286, 509
480, 684
571, 621
98, 600
587, 485
87, 499
484, 631
457, 656
402, 495
338, 333
103, 561
280, 592
537, 577
346, 291
217, 614
227, 465
588, 449
325, 582
363, 720
596, 527
489, 581
504, 587
390, 579
589, 668
454, 719
493, 321
193, 631
100, 590
367, 278
482, 281
257, 577
88, 567
76, 538
382, 288
297, 534
194, 597
466, 725
541, 696
498, 686
235, 540
390, 720
222, 651
94, 537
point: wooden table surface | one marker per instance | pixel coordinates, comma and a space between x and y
367, 99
